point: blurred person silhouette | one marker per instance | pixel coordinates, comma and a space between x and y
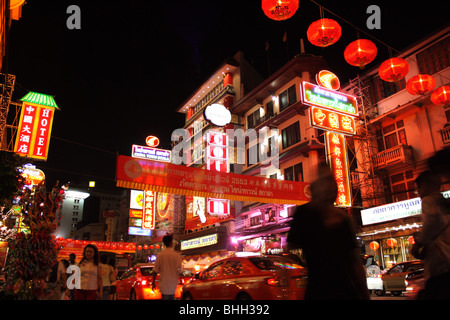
327, 238
434, 240
439, 164
91, 275
112, 291
70, 293
168, 265
107, 276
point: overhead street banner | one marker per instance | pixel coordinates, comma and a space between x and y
142, 174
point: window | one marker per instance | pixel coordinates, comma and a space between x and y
252, 155
290, 135
255, 221
435, 58
253, 119
379, 89
394, 135
288, 97
232, 268
269, 109
294, 173
213, 271
402, 185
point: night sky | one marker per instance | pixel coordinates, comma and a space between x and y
123, 75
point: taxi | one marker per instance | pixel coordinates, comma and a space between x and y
136, 284
249, 278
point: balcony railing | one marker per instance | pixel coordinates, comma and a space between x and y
445, 134
399, 154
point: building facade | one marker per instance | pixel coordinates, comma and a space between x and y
398, 133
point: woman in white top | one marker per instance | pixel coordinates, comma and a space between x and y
91, 284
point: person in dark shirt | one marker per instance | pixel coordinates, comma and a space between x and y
327, 238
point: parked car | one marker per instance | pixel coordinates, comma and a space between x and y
415, 282
394, 278
246, 278
136, 284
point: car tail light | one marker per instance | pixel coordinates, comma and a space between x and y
144, 281
273, 281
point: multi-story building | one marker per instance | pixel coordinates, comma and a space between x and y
275, 106
227, 85
399, 132
71, 213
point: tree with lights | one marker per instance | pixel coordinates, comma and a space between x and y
34, 251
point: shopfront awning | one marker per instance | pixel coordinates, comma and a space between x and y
141, 174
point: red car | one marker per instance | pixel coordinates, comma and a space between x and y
249, 278
136, 284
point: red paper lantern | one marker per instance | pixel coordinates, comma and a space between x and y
393, 69
279, 9
139, 247
360, 52
324, 32
391, 242
441, 95
411, 240
420, 84
145, 247
374, 245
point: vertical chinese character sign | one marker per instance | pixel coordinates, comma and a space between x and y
148, 213
35, 125
338, 161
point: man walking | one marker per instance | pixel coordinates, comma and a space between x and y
168, 265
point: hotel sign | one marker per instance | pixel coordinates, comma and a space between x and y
35, 126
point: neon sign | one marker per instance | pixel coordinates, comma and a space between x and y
155, 154
315, 95
199, 242
333, 121
338, 161
328, 80
148, 212
35, 126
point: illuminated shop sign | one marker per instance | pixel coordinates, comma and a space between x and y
152, 141
332, 121
31, 175
217, 151
394, 211
136, 231
218, 207
217, 114
328, 80
337, 159
155, 154
136, 199
217, 160
148, 210
199, 242
318, 96
35, 126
